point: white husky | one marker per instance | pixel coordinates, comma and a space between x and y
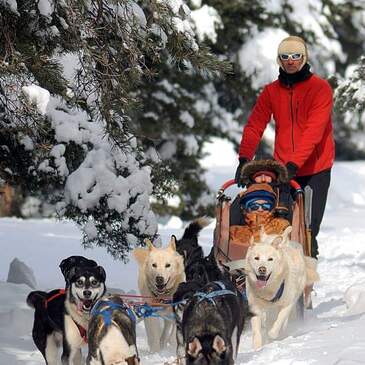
161, 270
277, 273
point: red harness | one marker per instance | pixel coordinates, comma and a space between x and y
62, 292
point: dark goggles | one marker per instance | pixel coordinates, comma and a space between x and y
293, 56
251, 207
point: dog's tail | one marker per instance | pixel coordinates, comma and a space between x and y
35, 299
311, 270
192, 230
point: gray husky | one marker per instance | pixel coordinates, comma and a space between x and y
112, 333
210, 318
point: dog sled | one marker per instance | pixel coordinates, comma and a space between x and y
228, 213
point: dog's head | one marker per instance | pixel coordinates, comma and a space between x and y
212, 350
264, 260
86, 285
75, 261
162, 269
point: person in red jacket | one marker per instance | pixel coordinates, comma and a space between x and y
300, 103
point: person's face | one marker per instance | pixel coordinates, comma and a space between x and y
291, 65
260, 201
262, 178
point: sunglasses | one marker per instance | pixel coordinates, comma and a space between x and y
293, 56
256, 206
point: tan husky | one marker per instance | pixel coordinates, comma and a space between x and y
161, 270
277, 273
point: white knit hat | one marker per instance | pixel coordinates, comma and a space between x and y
293, 44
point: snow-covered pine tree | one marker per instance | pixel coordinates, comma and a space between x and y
70, 75
350, 104
247, 33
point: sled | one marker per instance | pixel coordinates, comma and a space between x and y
227, 211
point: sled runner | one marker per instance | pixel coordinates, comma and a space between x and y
228, 213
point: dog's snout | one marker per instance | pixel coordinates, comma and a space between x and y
159, 280
87, 293
262, 270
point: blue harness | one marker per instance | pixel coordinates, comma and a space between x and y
146, 311
279, 293
215, 293
105, 308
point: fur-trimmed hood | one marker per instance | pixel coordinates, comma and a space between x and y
252, 167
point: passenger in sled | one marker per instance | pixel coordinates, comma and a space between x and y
264, 205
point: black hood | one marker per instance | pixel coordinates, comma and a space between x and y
289, 80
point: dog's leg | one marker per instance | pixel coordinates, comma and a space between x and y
256, 323
93, 361
166, 332
65, 358
51, 351
180, 348
153, 332
71, 356
235, 342
76, 356
280, 321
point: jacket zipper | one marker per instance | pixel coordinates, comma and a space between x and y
296, 112
292, 117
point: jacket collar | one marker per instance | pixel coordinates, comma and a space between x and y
289, 80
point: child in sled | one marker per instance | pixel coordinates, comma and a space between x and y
264, 205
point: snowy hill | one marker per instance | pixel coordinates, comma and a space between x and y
331, 334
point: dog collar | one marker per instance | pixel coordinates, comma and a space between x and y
279, 293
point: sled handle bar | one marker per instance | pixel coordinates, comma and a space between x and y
231, 182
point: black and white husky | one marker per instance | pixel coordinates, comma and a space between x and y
61, 316
112, 333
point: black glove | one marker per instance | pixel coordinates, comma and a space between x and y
238, 177
292, 170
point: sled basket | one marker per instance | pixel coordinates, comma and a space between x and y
226, 251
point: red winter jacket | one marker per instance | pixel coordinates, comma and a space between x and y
303, 125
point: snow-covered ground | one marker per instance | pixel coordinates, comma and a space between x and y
333, 333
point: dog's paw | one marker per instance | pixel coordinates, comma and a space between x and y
181, 361
273, 333
257, 343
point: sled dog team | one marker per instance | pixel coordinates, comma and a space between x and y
206, 312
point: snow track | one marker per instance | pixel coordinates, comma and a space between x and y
332, 334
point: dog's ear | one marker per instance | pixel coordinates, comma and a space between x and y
140, 254
101, 272
172, 244
71, 274
277, 242
219, 345
72, 261
194, 347
286, 233
149, 244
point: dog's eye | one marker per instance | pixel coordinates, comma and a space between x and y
94, 282
270, 259
257, 258
167, 265
154, 265
79, 282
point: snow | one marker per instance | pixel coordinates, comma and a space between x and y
11, 4
187, 119
331, 334
45, 8
38, 96
206, 21
258, 56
